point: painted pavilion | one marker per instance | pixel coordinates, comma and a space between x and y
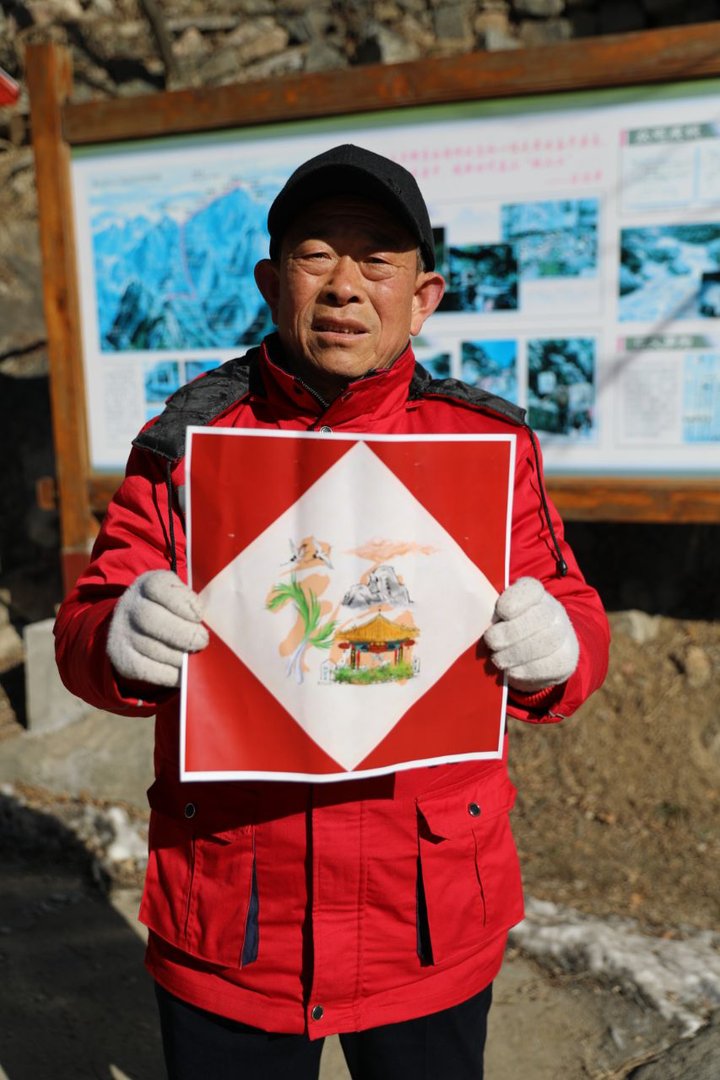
373, 639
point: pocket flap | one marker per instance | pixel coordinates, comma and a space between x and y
202, 807
454, 813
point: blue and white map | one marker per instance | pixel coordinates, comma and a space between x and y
173, 262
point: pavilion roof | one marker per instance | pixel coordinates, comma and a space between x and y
378, 629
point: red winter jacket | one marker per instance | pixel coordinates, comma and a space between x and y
338, 906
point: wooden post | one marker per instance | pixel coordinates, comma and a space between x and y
49, 78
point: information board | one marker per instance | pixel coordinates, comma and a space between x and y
579, 238
571, 189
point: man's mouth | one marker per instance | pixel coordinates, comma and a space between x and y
331, 326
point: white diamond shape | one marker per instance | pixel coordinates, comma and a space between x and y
358, 499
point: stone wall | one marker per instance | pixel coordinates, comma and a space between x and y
138, 46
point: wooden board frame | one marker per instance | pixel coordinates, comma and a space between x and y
678, 54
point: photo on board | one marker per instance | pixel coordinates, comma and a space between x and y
161, 379
561, 385
481, 278
555, 238
491, 365
669, 272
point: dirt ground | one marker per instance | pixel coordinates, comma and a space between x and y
76, 1003
617, 807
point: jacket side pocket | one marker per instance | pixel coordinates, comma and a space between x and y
201, 891
469, 871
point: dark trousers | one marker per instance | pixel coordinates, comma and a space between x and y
446, 1045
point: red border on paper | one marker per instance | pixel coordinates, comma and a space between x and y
239, 482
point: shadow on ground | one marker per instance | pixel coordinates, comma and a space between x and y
661, 569
74, 997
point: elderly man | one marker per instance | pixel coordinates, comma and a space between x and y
282, 912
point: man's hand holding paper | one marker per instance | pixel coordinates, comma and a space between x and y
157, 620
532, 641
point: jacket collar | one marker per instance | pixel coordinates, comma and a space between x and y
371, 397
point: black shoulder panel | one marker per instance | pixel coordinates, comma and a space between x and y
423, 385
198, 403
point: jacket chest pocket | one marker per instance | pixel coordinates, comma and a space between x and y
469, 885
201, 890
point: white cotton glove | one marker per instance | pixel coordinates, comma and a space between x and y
156, 621
532, 639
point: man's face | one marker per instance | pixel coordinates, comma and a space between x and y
347, 294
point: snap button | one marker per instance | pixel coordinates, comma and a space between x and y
317, 1012
474, 810
190, 810
325, 430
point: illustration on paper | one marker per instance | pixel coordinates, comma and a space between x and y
369, 634
376, 650
309, 630
334, 611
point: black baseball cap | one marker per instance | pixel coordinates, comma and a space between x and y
352, 170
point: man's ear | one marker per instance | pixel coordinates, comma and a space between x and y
429, 289
267, 279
